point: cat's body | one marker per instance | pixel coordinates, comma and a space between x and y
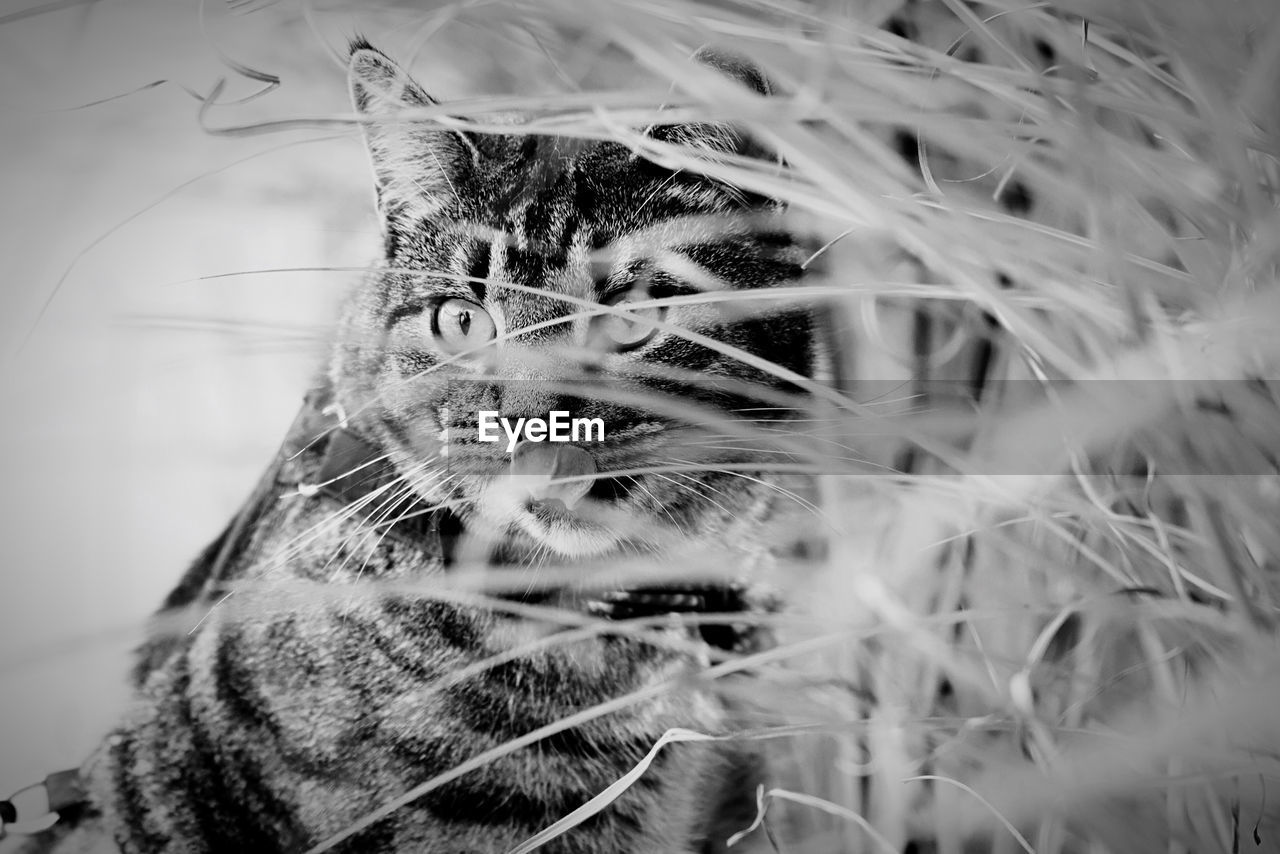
273, 731
307, 700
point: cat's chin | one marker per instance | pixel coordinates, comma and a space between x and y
583, 531
564, 531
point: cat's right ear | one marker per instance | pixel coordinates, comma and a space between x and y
417, 167
721, 137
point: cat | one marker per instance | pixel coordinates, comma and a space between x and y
302, 703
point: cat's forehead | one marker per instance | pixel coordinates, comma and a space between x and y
538, 185
544, 159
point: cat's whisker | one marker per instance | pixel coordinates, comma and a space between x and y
705, 486
297, 543
291, 547
638, 484
536, 560
799, 452
693, 489
373, 527
786, 493
817, 456
380, 521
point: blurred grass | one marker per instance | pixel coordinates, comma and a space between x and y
1055, 629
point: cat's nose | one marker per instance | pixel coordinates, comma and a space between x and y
536, 464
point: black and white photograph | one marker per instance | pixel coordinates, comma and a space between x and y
640, 426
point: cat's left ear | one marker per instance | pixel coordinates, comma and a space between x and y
721, 137
417, 167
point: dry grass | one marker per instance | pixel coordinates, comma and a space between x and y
1055, 630
1050, 623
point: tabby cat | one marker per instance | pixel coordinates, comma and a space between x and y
511, 261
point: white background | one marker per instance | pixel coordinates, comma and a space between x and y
130, 434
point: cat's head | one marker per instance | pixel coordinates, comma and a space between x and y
518, 275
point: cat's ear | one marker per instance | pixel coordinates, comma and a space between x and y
720, 137
417, 167
735, 67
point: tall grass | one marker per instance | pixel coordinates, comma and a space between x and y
1053, 628
1048, 624
1044, 613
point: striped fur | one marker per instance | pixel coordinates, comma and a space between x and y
272, 728
304, 701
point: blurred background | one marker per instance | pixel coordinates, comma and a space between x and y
152, 360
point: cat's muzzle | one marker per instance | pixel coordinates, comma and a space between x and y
553, 473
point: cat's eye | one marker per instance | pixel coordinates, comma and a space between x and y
627, 332
459, 325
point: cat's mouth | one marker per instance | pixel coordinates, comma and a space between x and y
586, 526
602, 491
611, 489
556, 496
559, 499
